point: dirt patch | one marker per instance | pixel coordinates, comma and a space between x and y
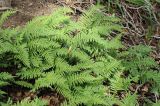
17, 93
28, 9
34, 7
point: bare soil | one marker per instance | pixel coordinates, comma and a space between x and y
28, 9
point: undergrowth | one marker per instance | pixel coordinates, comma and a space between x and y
140, 17
80, 60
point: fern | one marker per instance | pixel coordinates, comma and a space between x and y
139, 63
129, 100
118, 83
5, 16
77, 59
5, 78
73, 58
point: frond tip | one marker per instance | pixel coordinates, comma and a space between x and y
5, 16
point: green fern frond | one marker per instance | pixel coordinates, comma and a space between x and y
119, 83
6, 47
77, 79
24, 84
30, 73
129, 100
5, 16
50, 79
5, 76
22, 54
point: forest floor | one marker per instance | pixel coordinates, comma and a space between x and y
28, 9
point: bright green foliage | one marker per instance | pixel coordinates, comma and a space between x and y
5, 16
72, 57
129, 100
119, 83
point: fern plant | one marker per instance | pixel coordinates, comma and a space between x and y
138, 62
58, 53
121, 83
77, 59
129, 100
